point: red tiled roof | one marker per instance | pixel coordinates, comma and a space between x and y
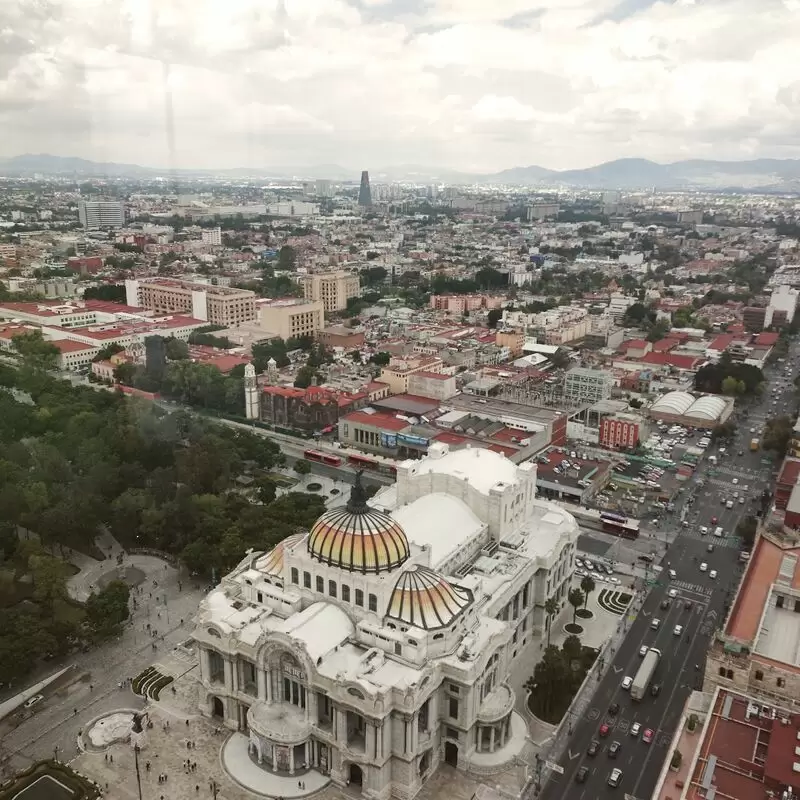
378, 420
663, 345
671, 359
435, 375
450, 438
789, 472
638, 344
70, 346
721, 342
766, 339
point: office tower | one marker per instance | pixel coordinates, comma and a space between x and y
364, 193
334, 289
101, 213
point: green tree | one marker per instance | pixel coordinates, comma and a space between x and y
36, 353
746, 530
302, 467
108, 292
777, 435
286, 258
176, 349
493, 317
382, 359
550, 610
576, 599
108, 351
107, 609
304, 377
732, 386
587, 587
265, 489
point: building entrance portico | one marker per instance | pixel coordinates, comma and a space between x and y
280, 737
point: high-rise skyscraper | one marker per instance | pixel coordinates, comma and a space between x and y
101, 213
364, 193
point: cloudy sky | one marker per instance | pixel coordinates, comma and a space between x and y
476, 85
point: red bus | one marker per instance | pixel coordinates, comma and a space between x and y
365, 462
626, 527
322, 458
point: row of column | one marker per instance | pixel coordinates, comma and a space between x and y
498, 733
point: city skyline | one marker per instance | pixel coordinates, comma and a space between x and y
456, 83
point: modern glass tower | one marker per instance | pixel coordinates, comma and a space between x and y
364, 193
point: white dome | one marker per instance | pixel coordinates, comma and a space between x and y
677, 403
707, 408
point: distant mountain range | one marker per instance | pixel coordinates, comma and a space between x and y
759, 175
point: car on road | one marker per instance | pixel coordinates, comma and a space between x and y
729, 504
655, 624
710, 548
712, 574
703, 567
613, 709
655, 690
704, 529
615, 777
613, 749
581, 775
672, 574
664, 604
32, 701
647, 736
626, 682
735, 481
643, 650
714, 521
604, 729
635, 728
688, 605
594, 746
673, 592
741, 501
678, 630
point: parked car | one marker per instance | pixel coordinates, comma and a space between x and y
615, 777
32, 701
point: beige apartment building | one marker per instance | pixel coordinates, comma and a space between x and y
334, 289
220, 305
293, 317
397, 374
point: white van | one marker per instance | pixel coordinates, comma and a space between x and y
718, 532
729, 504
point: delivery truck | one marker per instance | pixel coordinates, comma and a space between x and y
645, 673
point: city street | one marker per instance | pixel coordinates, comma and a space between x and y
681, 666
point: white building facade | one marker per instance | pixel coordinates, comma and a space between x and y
377, 645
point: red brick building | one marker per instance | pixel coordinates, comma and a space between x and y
619, 432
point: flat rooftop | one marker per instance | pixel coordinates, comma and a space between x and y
766, 566
746, 751
502, 409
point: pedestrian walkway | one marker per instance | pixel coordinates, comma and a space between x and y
733, 542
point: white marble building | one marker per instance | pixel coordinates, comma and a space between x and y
378, 644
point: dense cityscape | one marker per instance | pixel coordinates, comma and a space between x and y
396, 489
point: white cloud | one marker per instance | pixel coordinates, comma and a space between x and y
368, 83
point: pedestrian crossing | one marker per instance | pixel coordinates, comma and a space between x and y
694, 588
732, 542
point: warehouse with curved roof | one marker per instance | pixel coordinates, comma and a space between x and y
682, 408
